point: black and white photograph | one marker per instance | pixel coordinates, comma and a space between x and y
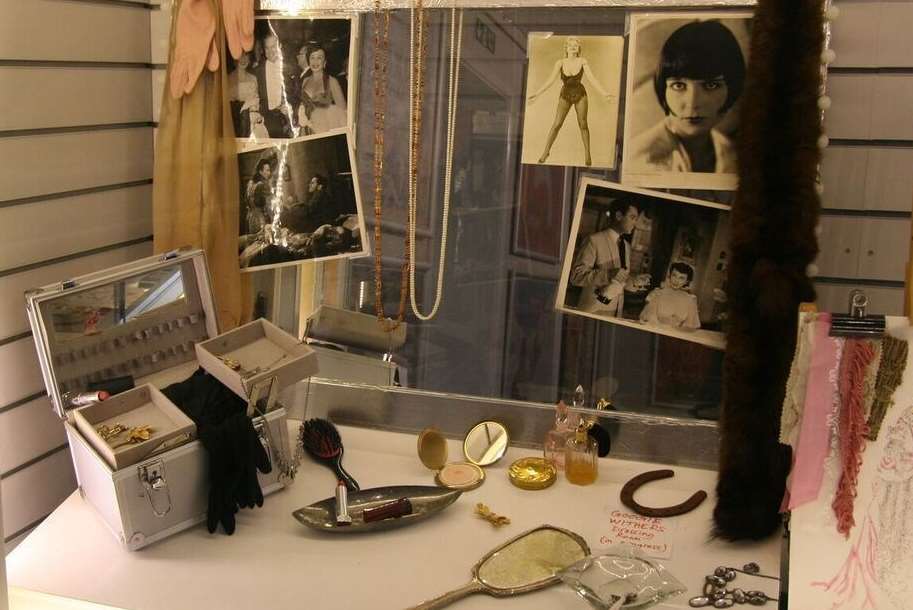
686, 73
297, 80
647, 260
299, 202
573, 85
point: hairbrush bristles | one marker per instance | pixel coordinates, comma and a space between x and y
320, 438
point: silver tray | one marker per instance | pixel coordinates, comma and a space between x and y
427, 500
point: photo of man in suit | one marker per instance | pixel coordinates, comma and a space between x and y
601, 265
275, 90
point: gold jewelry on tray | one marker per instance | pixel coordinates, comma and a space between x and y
109, 432
135, 436
230, 363
260, 369
496, 520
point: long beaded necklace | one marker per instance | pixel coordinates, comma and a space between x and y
381, 56
416, 88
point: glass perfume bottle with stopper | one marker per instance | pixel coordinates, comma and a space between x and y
581, 459
565, 423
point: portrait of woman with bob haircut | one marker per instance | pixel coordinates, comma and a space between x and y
685, 137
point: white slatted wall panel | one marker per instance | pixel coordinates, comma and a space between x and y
76, 137
867, 171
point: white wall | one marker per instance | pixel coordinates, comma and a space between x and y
867, 170
76, 141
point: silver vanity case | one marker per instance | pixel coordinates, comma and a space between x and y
142, 319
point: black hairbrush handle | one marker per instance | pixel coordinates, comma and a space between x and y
345, 477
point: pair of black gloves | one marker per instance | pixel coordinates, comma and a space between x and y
235, 450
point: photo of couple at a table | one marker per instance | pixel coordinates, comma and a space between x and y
647, 261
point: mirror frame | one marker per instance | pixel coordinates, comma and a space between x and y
533, 587
701, 453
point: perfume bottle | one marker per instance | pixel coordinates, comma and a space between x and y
565, 423
581, 459
556, 439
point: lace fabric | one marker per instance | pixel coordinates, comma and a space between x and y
794, 400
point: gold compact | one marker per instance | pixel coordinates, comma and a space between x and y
432, 451
532, 473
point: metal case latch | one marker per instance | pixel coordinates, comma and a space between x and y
262, 430
155, 486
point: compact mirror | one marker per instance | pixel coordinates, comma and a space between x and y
529, 562
486, 443
432, 451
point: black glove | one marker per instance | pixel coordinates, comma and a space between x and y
248, 445
235, 450
222, 478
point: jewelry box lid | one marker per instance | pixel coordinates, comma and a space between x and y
139, 319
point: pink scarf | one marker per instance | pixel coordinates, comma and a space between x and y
814, 435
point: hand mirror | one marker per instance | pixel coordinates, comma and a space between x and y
529, 562
485, 443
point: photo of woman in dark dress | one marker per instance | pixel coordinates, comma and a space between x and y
259, 196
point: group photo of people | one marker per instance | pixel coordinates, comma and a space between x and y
685, 79
299, 201
295, 81
647, 259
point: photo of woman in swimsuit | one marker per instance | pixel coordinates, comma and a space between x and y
582, 89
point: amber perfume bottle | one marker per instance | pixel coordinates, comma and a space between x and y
581, 458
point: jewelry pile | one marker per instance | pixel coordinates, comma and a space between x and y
716, 594
135, 435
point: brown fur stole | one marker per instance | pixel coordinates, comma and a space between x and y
773, 241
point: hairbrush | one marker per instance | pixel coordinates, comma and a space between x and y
321, 440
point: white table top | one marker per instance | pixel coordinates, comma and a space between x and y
274, 562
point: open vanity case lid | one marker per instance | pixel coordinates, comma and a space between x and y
136, 319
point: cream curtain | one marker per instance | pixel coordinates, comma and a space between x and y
195, 188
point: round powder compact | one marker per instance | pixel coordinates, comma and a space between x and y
460, 475
532, 473
432, 451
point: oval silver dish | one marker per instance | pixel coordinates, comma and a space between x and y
427, 500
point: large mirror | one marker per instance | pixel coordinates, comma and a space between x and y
89, 312
498, 333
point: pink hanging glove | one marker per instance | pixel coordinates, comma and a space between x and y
238, 16
195, 28
212, 63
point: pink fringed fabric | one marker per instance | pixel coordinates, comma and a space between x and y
852, 428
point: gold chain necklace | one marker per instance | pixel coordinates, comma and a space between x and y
381, 56
416, 94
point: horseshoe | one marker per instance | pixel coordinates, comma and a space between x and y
627, 496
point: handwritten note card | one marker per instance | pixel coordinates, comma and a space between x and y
649, 534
